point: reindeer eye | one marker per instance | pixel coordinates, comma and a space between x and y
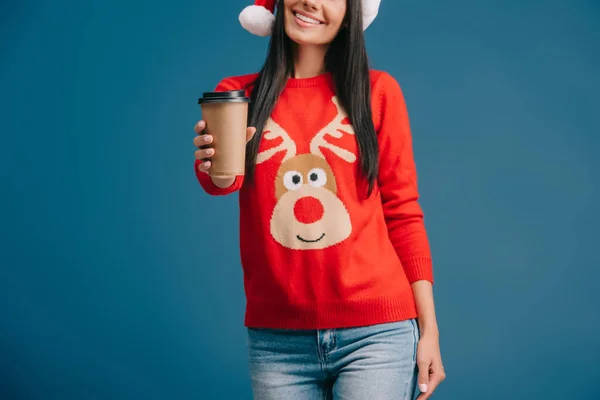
292, 180
317, 177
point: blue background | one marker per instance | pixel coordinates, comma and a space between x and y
120, 278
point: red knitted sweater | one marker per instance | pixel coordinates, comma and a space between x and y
315, 252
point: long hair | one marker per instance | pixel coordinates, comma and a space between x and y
348, 64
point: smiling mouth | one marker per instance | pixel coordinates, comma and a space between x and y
309, 241
307, 19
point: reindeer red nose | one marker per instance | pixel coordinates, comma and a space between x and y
308, 210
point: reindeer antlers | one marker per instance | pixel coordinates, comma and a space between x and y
272, 131
336, 129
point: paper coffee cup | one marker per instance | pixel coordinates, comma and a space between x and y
226, 117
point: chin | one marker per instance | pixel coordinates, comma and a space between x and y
304, 38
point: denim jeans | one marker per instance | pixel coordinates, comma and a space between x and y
367, 363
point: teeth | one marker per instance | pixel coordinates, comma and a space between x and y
307, 19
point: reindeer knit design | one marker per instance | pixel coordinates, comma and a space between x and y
315, 253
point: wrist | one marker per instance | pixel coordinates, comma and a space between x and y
428, 330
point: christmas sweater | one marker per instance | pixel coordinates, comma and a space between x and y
316, 253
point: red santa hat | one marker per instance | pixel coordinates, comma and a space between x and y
258, 18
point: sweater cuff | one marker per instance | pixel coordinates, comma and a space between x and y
418, 269
209, 186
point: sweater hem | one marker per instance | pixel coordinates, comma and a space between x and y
332, 315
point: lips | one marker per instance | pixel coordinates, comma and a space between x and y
306, 19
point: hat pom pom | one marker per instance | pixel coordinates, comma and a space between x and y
370, 11
257, 20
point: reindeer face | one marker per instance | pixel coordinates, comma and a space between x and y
304, 169
308, 214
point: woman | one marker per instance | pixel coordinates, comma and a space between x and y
335, 255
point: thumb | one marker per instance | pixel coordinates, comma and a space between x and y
250, 131
423, 378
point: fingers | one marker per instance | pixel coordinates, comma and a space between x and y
434, 381
200, 126
250, 131
436, 375
423, 380
202, 140
203, 154
204, 166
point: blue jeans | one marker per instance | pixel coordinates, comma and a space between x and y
367, 363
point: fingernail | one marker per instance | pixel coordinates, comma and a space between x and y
206, 139
423, 388
209, 152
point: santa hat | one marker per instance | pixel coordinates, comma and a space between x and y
258, 18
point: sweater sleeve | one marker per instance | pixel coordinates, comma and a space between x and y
398, 182
203, 178
209, 186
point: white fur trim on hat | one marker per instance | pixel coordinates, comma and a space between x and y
257, 20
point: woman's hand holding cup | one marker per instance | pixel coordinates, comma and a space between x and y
205, 151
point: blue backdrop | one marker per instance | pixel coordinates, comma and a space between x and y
120, 278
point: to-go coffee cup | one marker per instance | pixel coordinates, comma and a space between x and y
226, 117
